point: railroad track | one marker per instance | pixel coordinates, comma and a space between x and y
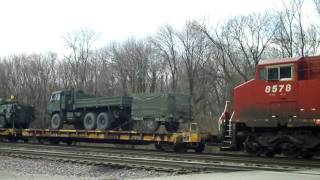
165, 161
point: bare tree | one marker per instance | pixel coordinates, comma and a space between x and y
295, 37
80, 48
165, 43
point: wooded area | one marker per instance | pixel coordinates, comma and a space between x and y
204, 61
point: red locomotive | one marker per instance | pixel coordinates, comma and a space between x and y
278, 111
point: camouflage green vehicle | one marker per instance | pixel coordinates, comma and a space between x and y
14, 114
152, 110
89, 112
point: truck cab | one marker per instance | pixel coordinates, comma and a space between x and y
59, 102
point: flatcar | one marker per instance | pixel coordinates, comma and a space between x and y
277, 112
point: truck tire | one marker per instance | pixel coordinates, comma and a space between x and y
3, 122
149, 126
56, 121
104, 121
90, 121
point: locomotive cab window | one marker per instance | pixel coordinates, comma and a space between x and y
262, 74
273, 74
286, 72
280, 73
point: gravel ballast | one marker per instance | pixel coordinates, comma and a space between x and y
41, 168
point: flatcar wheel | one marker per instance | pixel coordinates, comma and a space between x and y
3, 122
172, 126
269, 153
40, 141
69, 143
307, 155
180, 148
104, 121
54, 141
200, 148
56, 121
159, 147
149, 126
90, 121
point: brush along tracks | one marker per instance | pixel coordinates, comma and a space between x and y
161, 161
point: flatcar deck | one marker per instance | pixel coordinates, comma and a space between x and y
125, 136
189, 138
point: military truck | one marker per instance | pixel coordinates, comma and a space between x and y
14, 114
89, 112
149, 111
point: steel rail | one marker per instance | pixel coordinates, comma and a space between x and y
178, 163
216, 157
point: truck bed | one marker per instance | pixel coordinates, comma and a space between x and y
123, 101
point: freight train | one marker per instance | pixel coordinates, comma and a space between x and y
278, 111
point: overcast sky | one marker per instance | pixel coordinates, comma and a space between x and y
38, 25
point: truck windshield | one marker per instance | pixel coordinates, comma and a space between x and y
55, 97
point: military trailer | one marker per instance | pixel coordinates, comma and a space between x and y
15, 115
149, 111
89, 112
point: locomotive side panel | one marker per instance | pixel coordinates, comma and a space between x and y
269, 100
309, 88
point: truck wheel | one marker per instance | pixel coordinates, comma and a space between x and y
172, 126
104, 121
56, 121
90, 121
149, 126
3, 122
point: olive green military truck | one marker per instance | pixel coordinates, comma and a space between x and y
89, 112
15, 115
149, 111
